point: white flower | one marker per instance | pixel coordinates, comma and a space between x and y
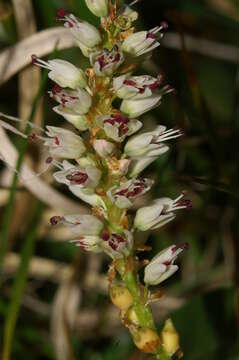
78, 101
71, 175
88, 195
140, 163
106, 62
86, 34
135, 87
80, 122
160, 213
103, 148
117, 245
86, 227
62, 72
64, 143
80, 224
98, 7
124, 194
135, 108
150, 143
142, 42
118, 127
162, 266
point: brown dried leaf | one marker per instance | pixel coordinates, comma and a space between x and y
16, 57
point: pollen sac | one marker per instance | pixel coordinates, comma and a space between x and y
117, 245
124, 195
118, 127
107, 62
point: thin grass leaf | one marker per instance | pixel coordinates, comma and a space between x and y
19, 284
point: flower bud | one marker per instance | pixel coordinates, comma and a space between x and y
64, 143
150, 144
132, 316
83, 225
140, 163
160, 213
170, 338
135, 108
63, 73
162, 266
121, 297
135, 87
84, 33
103, 148
98, 7
80, 122
105, 63
142, 42
146, 340
124, 20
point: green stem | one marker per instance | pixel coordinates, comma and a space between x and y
143, 311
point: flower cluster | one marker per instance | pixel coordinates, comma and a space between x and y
101, 160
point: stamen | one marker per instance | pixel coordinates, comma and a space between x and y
61, 13
55, 220
12, 129
105, 236
49, 160
134, 2
77, 178
13, 118
37, 61
163, 25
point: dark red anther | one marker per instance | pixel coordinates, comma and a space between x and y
174, 249
61, 13
77, 178
105, 236
113, 245
57, 141
164, 25
154, 86
117, 57
55, 220
186, 246
56, 89
137, 191
150, 35
49, 160
32, 137
119, 238
101, 61
166, 263
122, 192
34, 59
130, 82
109, 121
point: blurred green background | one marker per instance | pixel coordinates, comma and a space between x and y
53, 302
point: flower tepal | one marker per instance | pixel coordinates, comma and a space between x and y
162, 265
98, 7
